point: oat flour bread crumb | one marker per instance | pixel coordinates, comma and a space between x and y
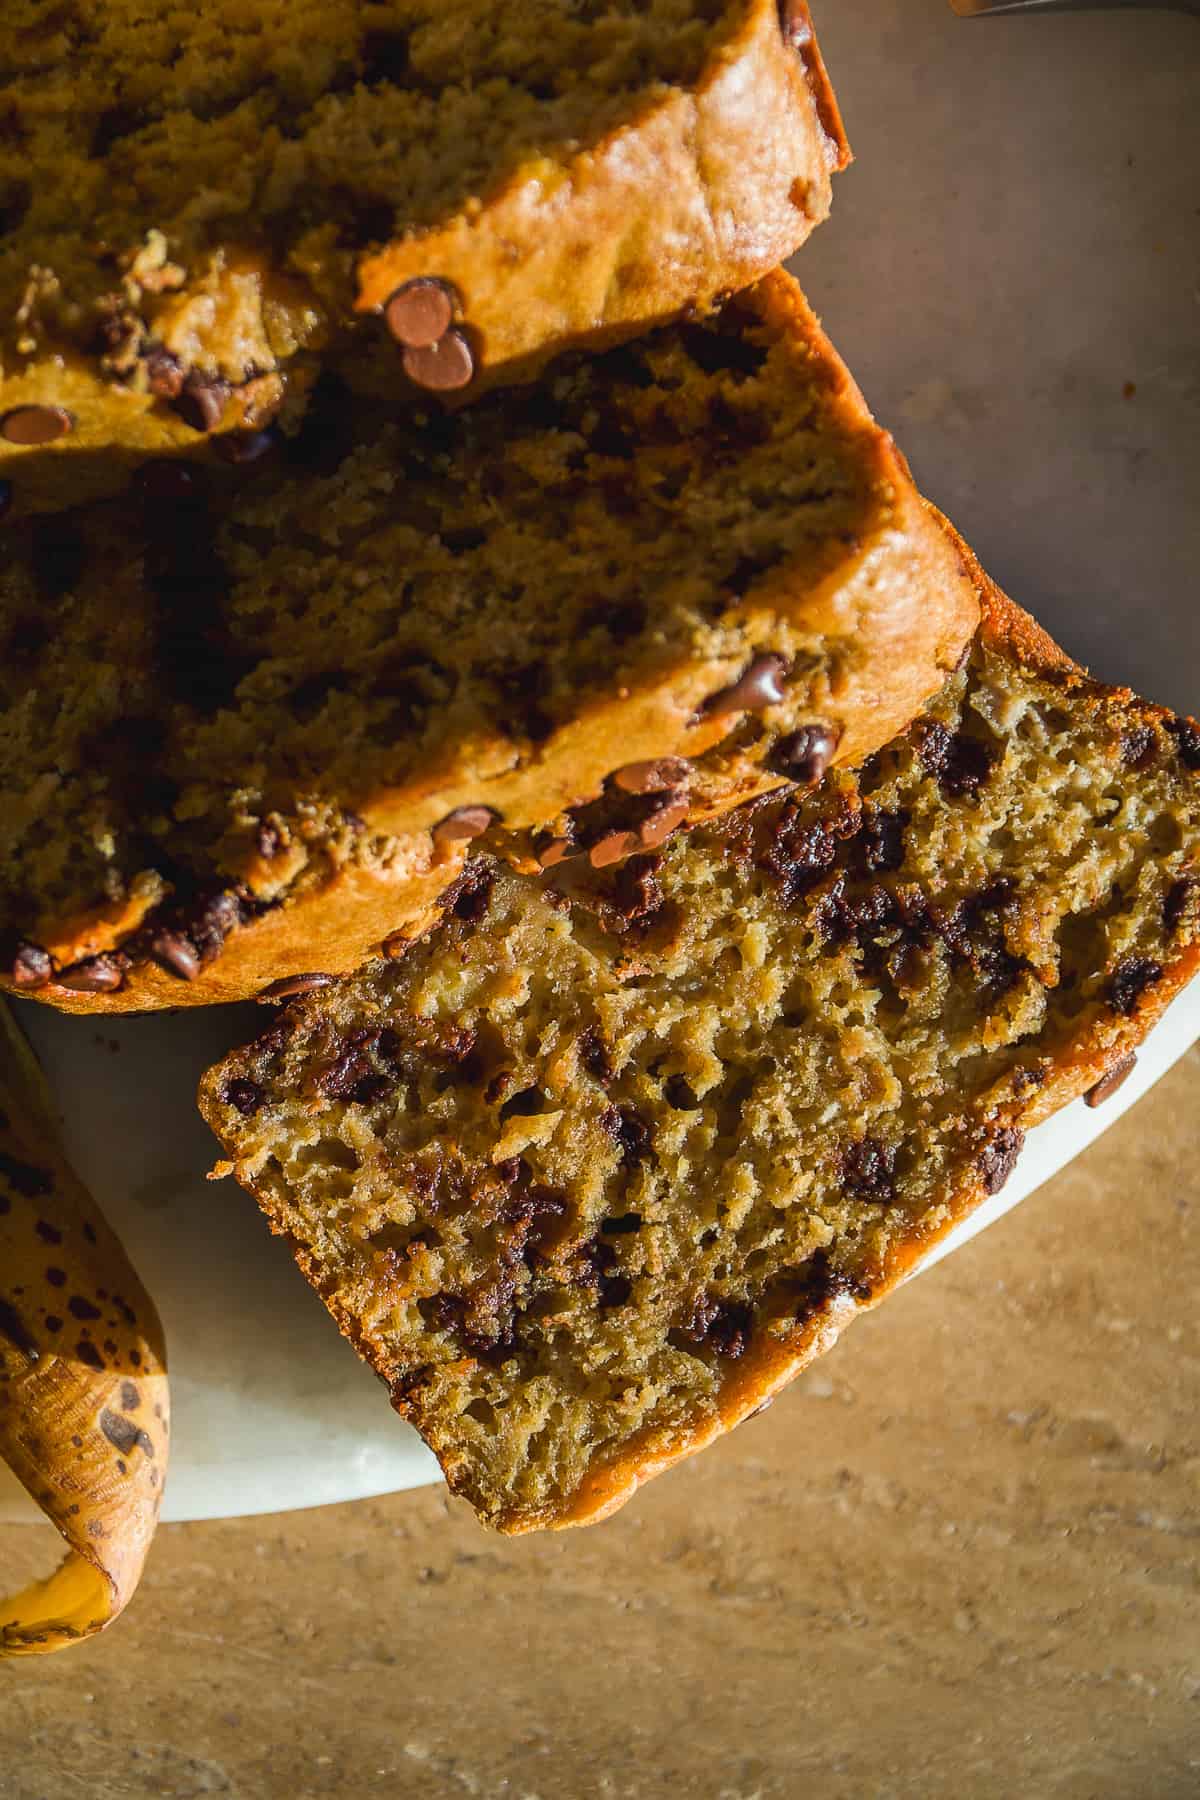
201, 205
249, 722
598, 1164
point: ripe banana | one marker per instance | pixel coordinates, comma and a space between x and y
84, 1414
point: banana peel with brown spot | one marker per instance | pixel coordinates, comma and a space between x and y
84, 1406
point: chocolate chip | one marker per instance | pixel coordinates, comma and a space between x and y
1130, 979
56, 1277
660, 824
442, 367
202, 401
722, 1325
1175, 906
81, 1309
631, 1133
176, 953
867, 1169
804, 755
961, 764
611, 848
245, 1095
420, 313
1188, 734
758, 686
30, 425
660, 776
288, 986
31, 966
244, 447
98, 975
131, 1398
594, 1055
1138, 745
998, 1159
164, 373
1115, 1078
463, 824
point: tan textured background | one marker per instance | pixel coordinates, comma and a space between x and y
958, 1560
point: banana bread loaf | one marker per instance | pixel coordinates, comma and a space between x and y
250, 723
196, 202
592, 1169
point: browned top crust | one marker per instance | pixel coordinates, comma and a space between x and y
252, 212
765, 595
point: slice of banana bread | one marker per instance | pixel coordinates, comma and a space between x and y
249, 725
598, 1164
197, 202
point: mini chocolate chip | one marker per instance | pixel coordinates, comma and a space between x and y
1130, 979
246, 1095
867, 1168
611, 848
758, 686
131, 1398
662, 823
288, 986
1175, 905
1138, 745
443, 367
202, 401
98, 975
804, 755
244, 447
1187, 732
176, 953
49, 1234
420, 313
31, 966
79, 1308
56, 1277
657, 777
998, 1159
614, 1290
463, 824
35, 425
1115, 1078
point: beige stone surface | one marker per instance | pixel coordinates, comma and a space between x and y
958, 1559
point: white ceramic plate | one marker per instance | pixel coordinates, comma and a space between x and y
1010, 271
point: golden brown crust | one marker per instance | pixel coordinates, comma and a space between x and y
895, 609
702, 192
84, 1407
768, 1367
706, 191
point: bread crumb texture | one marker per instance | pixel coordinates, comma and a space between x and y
220, 694
592, 1150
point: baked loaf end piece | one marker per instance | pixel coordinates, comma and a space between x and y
594, 1168
222, 193
249, 725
